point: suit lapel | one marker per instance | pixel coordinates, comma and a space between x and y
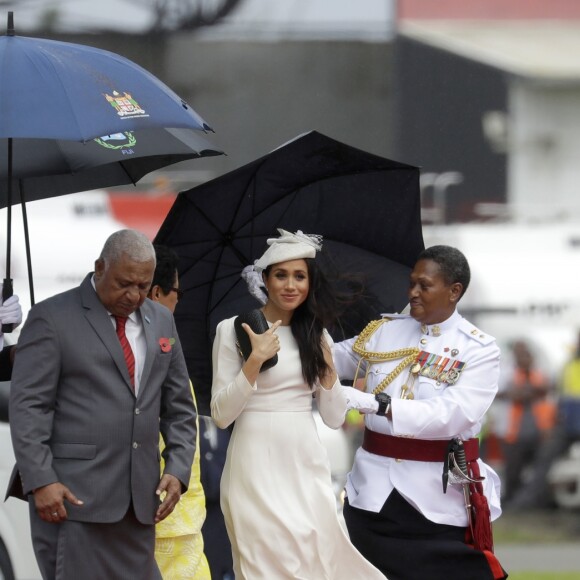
100, 320
151, 340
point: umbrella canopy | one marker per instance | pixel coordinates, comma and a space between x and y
60, 90
44, 168
366, 207
74, 118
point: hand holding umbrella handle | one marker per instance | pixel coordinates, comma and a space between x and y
7, 291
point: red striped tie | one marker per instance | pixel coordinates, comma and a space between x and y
127, 352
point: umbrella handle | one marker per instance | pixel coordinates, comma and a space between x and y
7, 291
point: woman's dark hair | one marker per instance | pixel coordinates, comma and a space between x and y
165, 268
320, 310
452, 263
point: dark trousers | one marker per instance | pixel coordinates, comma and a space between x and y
518, 456
86, 551
405, 545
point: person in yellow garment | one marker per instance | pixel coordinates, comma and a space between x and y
178, 539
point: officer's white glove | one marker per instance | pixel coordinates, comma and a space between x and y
11, 311
362, 402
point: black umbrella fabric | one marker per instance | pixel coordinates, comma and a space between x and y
366, 207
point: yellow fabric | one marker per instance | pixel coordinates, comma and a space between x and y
182, 558
354, 418
571, 378
178, 539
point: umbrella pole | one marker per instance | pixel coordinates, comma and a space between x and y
7, 283
27, 246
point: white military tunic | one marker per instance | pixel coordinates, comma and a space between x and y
438, 411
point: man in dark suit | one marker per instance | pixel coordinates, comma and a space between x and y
98, 374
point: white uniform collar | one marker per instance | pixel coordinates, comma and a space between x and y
441, 327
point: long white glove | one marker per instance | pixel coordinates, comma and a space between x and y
362, 402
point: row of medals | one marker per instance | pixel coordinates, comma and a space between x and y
407, 388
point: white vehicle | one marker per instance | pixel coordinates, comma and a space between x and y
564, 478
17, 558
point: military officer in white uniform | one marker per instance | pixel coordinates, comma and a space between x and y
429, 379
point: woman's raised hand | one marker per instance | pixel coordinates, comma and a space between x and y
264, 346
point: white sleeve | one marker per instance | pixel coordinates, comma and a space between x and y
331, 405
346, 360
331, 402
230, 389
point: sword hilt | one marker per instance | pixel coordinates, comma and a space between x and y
455, 468
459, 455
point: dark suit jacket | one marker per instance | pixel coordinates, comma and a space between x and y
75, 419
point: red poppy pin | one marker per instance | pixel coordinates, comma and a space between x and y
166, 344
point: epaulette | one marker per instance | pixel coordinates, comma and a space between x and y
366, 333
395, 315
473, 332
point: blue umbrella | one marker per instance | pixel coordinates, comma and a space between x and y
60, 90
74, 118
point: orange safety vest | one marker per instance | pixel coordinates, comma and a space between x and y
544, 411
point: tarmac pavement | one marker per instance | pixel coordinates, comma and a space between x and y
561, 557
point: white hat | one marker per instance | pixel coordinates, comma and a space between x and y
288, 246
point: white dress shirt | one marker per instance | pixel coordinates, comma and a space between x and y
136, 337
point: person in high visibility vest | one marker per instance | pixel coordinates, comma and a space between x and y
531, 415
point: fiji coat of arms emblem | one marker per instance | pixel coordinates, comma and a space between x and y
125, 105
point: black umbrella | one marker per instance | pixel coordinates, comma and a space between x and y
366, 207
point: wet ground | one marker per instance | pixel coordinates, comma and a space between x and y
539, 540
540, 557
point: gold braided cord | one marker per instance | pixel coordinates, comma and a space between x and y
409, 354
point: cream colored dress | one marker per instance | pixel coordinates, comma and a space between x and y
276, 492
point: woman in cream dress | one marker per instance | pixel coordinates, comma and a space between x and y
276, 490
